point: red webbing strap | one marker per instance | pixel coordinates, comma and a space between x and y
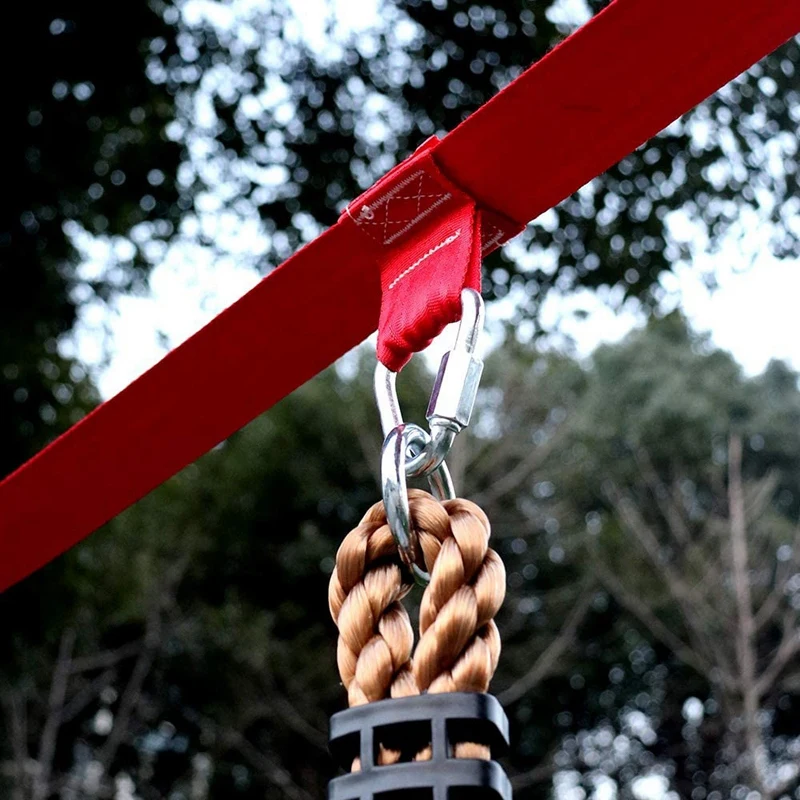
625, 75
609, 87
293, 324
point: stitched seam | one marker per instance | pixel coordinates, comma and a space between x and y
416, 196
394, 190
388, 239
385, 199
493, 241
401, 197
449, 240
443, 199
371, 235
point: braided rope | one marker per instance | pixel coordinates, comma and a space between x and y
459, 643
375, 635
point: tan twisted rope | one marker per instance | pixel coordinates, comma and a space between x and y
459, 643
375, 636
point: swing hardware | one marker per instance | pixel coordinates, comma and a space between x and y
402, 439
453, 395
410, 452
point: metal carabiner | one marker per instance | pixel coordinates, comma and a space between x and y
395, 492
449, 412
453, 395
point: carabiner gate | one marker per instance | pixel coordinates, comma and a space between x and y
454, 391
449, 412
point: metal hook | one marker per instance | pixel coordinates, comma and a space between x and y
395, 491
453, 395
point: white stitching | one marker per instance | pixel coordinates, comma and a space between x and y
385, 220
440, 198
417, 217
402, 197
395, 189
416, 196
497, 235
385, 199
493, 241
402, 185
412, 222
449, 240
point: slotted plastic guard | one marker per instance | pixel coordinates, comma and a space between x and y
409, 725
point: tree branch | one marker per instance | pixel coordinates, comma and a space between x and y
271, 770
789, 645
106, 658
784, 786
55, 703
697, 615
774, 598
665, 499
639, 609
547, 660
15, 711
518, 474
133, 689
85, 695
746, 630
544, 772
296, 722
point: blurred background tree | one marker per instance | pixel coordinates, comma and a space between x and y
194, 656
84, 155
645, 503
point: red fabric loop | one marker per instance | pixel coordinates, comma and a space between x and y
428, 237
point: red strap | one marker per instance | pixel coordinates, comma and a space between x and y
625, 75
616, 82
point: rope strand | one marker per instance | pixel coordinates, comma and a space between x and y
375, 635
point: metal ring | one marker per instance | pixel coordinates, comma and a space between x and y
432, 456
395, 491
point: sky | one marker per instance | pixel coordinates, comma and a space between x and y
754, 314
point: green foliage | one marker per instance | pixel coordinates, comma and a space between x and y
296, 133
84, 149
638, 492
222, 572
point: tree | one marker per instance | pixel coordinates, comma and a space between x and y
176, 650
196, 637
85, 154
697, 549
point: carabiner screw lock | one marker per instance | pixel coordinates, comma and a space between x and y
454, 392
